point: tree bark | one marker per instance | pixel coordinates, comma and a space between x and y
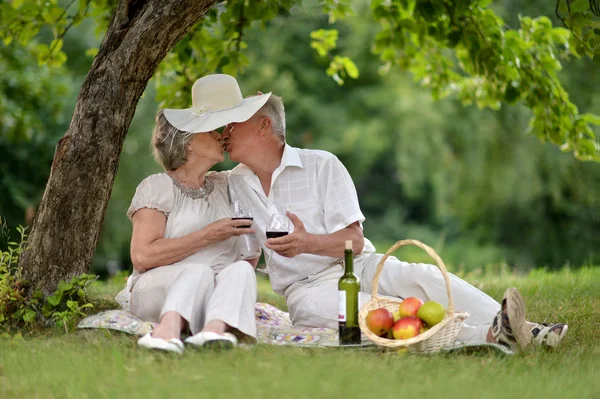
70, 216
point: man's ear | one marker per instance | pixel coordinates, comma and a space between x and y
265, 125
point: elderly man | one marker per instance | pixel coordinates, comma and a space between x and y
317, 193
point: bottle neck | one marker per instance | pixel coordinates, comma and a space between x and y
348, 261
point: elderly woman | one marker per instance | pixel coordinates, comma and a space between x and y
187, 272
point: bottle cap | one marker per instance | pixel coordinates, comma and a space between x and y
348, 244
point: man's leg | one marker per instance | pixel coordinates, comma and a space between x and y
403, 280
313, 302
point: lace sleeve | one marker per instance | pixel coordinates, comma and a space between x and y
154, 192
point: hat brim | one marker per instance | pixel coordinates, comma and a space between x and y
187, 120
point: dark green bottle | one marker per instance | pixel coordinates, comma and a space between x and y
348, 288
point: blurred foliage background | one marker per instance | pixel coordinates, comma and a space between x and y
471, 183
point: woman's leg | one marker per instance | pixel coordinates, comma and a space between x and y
231, 305
174, 296
170, 326
190, 293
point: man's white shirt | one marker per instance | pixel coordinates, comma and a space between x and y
315, 186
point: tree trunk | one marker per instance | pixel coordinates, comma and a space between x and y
70, 216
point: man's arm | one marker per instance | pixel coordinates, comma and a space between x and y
302, 242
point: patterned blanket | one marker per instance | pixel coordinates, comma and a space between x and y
273, 327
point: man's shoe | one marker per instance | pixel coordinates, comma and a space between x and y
509, 327
549, 336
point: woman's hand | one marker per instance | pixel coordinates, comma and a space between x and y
223, 229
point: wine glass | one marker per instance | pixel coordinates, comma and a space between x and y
279, 226
247, 244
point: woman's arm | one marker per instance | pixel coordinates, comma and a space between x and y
150, 249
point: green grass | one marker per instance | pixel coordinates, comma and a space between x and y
99, 364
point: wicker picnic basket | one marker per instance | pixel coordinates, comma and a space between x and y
437, 337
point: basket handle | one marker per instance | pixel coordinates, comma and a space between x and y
431, 253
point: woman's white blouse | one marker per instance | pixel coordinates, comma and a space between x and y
186, 215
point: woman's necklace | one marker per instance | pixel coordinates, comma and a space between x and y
195, 193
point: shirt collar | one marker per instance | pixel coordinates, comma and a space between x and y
290, 157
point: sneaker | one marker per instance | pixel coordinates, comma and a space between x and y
509, 327
549, 335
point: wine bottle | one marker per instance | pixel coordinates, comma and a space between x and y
348, 288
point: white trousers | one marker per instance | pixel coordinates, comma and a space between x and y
199, 295
312, 302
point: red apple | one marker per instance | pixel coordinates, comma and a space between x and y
380, 321
410, 306
407, 327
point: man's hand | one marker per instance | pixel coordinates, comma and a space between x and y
296, 243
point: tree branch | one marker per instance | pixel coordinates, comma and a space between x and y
69, 26
240, 27
562, 20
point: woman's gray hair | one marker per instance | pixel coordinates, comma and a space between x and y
274, 110
169, 144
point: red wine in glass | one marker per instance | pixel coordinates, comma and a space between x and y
276, 234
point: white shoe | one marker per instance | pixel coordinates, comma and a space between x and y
172, 345
210, 339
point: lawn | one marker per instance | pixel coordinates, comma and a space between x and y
100, 364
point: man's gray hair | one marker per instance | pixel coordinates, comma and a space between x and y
274, 110
169, 143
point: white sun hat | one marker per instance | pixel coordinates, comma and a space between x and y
216, 101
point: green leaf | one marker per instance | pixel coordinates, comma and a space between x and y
350, 67
73, 305
58, 58
56, 44
54, 300
64, 287
580, 6
591, 118
29, 316
17, 315
596, 59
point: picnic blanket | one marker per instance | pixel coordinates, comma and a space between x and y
274, 327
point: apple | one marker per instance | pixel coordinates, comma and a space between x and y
407, 327
409, 306
431, 313
396, 315
380, 321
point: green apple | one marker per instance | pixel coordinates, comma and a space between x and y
431, 313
